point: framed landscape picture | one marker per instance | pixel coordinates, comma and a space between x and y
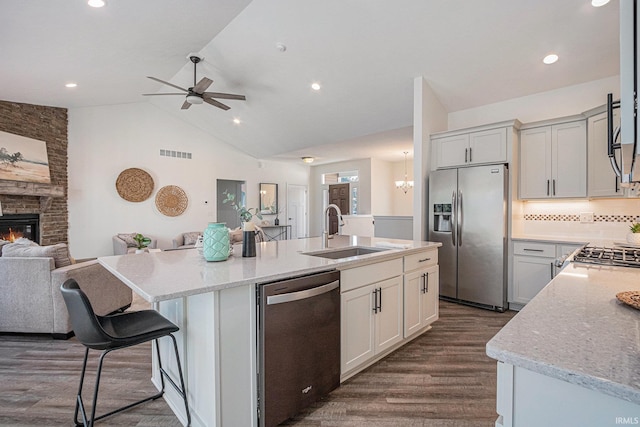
23, 159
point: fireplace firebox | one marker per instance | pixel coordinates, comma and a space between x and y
14, 226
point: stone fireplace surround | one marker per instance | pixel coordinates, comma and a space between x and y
49, 201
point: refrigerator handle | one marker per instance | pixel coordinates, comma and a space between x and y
454, 222
460, 218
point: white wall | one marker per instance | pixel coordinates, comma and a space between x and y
381, 186
105, 140
561, 102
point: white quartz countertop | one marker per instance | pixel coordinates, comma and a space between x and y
172, 274
577, 331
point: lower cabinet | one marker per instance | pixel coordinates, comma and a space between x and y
371, 321
385, 304
534, 267
420, 299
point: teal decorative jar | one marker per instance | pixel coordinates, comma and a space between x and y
215, 242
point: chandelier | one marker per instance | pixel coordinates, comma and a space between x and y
406, 184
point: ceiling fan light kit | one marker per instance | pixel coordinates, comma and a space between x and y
197, 94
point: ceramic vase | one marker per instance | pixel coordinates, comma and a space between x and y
248, 239
633, 238
215, 242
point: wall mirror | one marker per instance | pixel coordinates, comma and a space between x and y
268, 198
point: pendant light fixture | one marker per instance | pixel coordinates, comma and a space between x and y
406, 184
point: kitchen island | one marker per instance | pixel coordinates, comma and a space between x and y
572, 355
215, 306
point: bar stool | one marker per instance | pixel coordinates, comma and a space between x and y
108, 333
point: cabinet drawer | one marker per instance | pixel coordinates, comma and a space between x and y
421, 260
360, 276
534, 249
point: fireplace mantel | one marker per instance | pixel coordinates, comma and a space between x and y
46, 192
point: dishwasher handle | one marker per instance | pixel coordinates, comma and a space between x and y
307, 293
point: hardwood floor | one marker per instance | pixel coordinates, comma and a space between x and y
442, 378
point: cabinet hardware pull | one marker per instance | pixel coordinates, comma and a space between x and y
426, 283
551, 270
547, 187
470, 155
533, 250
554, 187
424, 259
422, 283
375, 300
465, 154
380, 299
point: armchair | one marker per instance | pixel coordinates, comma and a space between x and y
123, 243
186, 240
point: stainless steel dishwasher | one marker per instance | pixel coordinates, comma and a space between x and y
299, 344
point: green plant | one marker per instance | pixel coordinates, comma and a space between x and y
635, 227
141, 241
245, 213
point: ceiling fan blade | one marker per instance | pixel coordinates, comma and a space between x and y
156, 94
186, 105
167, 83
216, 103
202, 85
221, 95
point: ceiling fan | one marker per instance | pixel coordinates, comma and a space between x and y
197, 94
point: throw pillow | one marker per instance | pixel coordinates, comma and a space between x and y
191, 238
235, 236
2, 243
59, 252
128, 239
25, 241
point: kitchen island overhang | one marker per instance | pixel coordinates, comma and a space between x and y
214, 304
573, 352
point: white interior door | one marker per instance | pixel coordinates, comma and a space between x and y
297, 216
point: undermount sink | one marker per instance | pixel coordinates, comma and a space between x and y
345, 252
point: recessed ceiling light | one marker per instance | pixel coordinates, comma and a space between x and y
96, 3
598, 3
71, 85
550, 59
236, 120
315, 86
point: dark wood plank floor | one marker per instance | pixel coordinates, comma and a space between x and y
443, 378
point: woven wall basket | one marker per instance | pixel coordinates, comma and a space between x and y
134, 185
171, 200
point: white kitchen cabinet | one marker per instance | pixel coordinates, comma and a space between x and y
553, 161
534, 267
421, 287
602, 181
465, 149
371, 313
371, 321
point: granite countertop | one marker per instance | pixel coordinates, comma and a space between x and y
577, 331
172, 274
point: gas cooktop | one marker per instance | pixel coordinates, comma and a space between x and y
601, 255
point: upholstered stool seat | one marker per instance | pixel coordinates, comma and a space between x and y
108, 333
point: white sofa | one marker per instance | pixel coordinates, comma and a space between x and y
31, 300
121, 247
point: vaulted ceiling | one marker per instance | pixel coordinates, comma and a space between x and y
364, 53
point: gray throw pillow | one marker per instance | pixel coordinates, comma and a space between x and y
191, 238
128, 239
59, 252
2, 243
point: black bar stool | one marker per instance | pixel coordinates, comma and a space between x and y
108, 333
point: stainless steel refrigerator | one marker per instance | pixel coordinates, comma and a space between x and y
468, 215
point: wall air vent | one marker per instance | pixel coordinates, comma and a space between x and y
175, 154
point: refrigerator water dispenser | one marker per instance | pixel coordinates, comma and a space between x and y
442, 217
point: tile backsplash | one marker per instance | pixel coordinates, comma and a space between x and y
611, 218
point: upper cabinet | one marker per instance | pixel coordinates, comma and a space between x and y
603, 182
488, 144
553, 160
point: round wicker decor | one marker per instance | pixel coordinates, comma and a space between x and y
171, 200
631, 298
134, 185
